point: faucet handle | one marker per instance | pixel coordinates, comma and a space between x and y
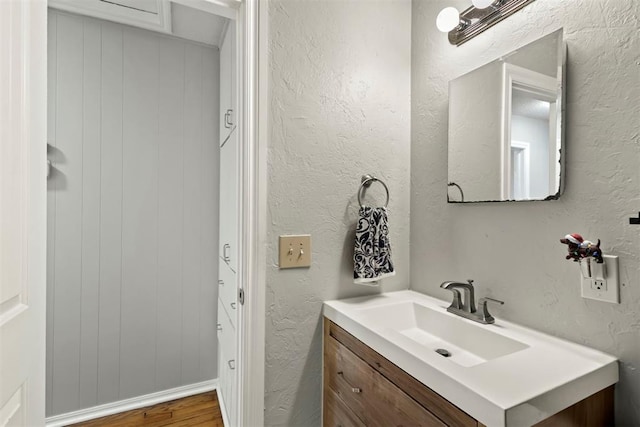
485, 300
485, 315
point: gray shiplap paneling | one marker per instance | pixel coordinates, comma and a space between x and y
209, 249
171, 203
91, 141
51, 203
139, 214
132, 212
192, 217
110, 215
68, 215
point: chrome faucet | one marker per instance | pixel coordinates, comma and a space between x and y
467, 307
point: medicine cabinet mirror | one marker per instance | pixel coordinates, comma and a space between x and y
505, 126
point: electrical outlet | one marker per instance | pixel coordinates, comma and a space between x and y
604, 283
599, 285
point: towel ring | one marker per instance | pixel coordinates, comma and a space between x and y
366, 182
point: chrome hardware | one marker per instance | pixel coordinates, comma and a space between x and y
219, 327
226, 257
228, 123
469, 302
241, 296
220, 282
232, 364
453, 184
480, 20
366, 182
467, 307
233, 305
486, 317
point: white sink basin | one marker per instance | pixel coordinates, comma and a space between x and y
501, 374
435, 329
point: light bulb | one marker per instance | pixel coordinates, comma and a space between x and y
448, 19
482, 4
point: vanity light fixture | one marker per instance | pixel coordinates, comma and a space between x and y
449, 19
482, 15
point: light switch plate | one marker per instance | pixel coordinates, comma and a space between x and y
295, 251
604, 284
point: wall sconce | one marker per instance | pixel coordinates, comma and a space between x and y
482, 15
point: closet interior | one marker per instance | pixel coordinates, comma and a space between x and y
142, 244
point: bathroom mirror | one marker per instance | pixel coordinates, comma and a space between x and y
505, 127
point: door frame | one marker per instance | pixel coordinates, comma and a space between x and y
253, 19
23, 317
253, 73
523, 79
525, 149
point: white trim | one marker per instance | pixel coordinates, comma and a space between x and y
23, 204
227, 10
525, 147
130, 404
116, 13
254, 215
223, 411
524, 79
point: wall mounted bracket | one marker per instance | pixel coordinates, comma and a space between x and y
477, 21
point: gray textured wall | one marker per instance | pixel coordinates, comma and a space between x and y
339, 108
132, 213
512, 250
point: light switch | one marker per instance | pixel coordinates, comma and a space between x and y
295, 251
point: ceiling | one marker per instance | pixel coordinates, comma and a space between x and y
197, 25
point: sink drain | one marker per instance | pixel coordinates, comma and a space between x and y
443, 352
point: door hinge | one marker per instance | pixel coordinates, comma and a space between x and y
241, 296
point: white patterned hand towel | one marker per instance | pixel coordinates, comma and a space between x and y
372, 251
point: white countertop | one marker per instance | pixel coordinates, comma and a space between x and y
518, 389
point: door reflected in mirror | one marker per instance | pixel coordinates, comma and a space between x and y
505, 127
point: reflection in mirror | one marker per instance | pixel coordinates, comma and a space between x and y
505, 126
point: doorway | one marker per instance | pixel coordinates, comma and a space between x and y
142, 256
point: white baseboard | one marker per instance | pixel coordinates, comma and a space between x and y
130, 404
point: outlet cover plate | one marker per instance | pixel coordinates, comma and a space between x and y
295, 251
610, 291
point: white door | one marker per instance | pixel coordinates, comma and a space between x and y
23, 55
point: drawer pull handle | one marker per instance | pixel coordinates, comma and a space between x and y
226, 257
232, 364
353, 389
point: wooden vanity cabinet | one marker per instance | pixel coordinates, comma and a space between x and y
362, 388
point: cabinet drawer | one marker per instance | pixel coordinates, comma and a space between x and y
228, 290
335, 412
226, 333
374, 399
227, 384
450, 414
228, 227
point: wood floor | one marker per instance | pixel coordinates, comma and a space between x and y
199, 410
